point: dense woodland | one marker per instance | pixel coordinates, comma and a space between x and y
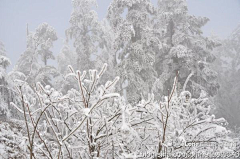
143, 80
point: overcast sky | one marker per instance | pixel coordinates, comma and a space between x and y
224, 17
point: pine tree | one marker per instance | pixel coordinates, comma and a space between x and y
4, 63
227, 65
85, 31
134, 45
5, 94
66, 57
184, 49
32, 65
92, 41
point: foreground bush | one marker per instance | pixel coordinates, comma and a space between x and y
95, 122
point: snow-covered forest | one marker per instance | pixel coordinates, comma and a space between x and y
144, 82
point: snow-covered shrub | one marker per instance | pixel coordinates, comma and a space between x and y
94, 122
11, 141
79, 124
177, 124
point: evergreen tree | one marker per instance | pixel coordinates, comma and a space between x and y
184, 49
91, 39
84, 30
134, 45
227, 65
5, 94
32, 65
4, 63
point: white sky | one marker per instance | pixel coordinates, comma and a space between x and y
224, 17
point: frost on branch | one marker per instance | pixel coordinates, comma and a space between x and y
83, 121
175, 123
95, 122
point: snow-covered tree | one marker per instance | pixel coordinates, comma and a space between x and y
92, 41
106, 53
228, 67
65, 58
184, 49
134, 43
5, 93
85, 29
4, 63
32, 65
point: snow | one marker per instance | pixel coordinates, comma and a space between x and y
133, 106
86, 111
110, 95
